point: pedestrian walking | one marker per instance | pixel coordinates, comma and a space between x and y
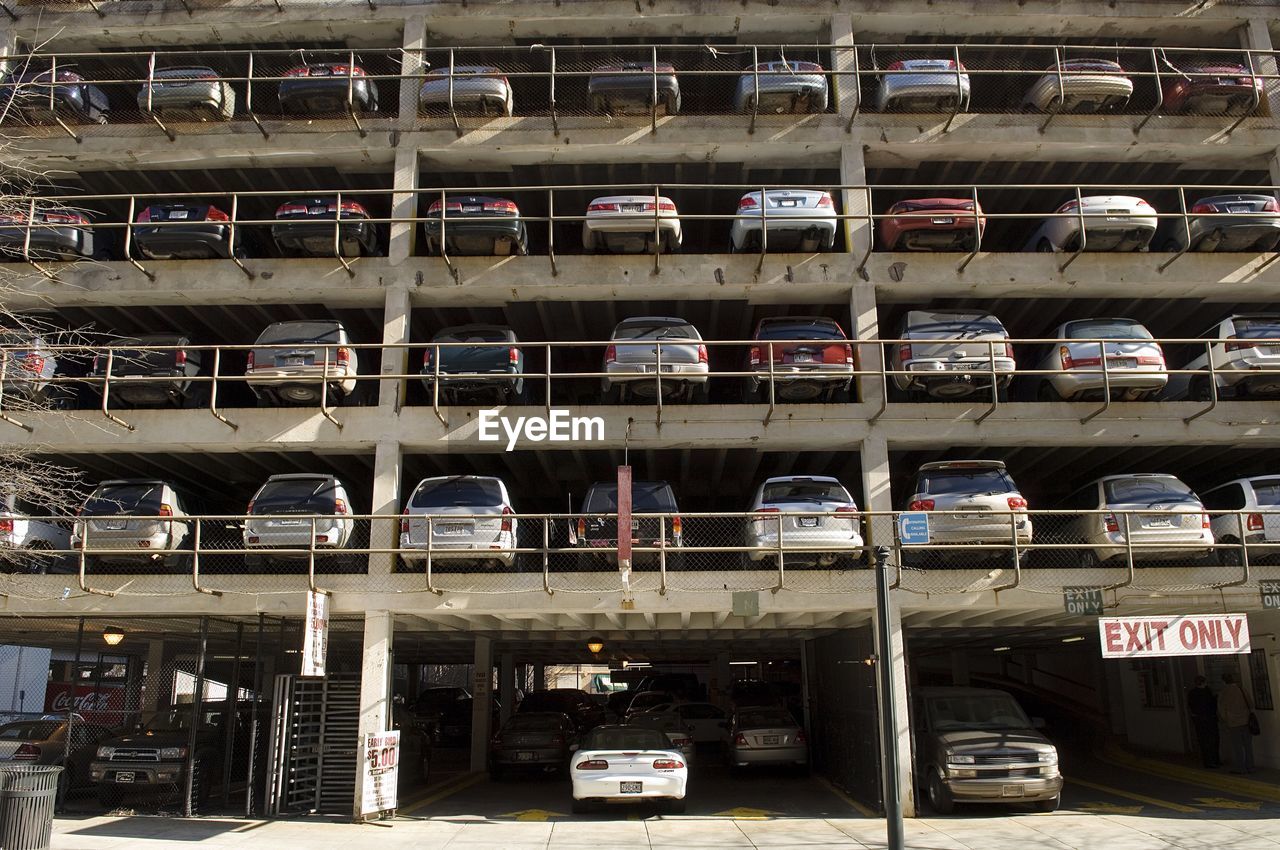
1233, 706
1202, 705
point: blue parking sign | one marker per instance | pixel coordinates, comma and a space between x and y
913, 528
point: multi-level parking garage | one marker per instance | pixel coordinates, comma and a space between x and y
705, 595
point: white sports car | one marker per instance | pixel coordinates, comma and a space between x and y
626, 764
1111, 223
627, 224
796, 220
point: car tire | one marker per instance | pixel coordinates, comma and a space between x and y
701, 394
940, 797
64, 788
1044, 246
1046, 393
1199, 389
1229, 557
1050, 805
1087, 559
1002, 394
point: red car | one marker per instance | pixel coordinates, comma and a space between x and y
1210, 88
931, 224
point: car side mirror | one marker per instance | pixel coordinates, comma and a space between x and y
1038, 723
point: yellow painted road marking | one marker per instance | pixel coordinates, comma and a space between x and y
1251, 788
1224, 803
1110, 809
858, 807
1129, 795
465, 782
744, 813
535, 815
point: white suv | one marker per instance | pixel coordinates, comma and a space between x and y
970, 502
1254, 504
26, 540
1135, 369
468, 517
288, 510
952, 369
806, 510
1165, 519
137, 519
287, 364
1243, 364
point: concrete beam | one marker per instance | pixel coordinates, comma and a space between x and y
1255, 34
481, 703
404, 204
375, 689
859, 234
844, 83
384, 533
411, 63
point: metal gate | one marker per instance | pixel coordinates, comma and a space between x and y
846, 729
313, 744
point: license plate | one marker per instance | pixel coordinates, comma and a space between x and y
294, 361
472, 209
974, 367
317, 210
788, 203
802, 358
115, 524
1122, 363
945, 219
288, 522
770, 739
1011, 791
1157, 521
452, 528
630, 787
177, 214
124, 776
524, 756
1226, 81
1234, 208
1117, 218
807, 521
632, 207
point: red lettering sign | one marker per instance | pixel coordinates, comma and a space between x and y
103, 704
1192, 634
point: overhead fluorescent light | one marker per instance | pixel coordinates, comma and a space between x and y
1073, 639
1002, 649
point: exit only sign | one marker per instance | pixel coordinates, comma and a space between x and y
1270, 593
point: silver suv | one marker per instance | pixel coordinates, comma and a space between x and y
1163, 517
25, 540
1246, 360
467, 518
288, 510
137, 519
952, 369
288, 363
806, 510
634, 348
970, 502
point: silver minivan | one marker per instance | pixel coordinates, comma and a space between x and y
948, 370
1245, 509
288, 510
465, 518
1164, 519
970, 502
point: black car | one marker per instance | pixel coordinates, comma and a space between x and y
323, 88
434, 706
178, 365
533, 739
487, 357
177, 230
73, 99
476, 226
578, 705
630, 87
598, 528
57, 233
305, 227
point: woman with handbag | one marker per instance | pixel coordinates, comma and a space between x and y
1238, 717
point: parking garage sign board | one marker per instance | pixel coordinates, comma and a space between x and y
315, 642
1190, 634
1082, 601
1270, 591
913, 528
381, 772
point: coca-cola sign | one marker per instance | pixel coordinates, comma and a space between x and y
104, 704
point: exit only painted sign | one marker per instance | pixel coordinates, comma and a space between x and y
1190, 634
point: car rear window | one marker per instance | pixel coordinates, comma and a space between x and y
143, 499
547, 701
655, 330
1267, 493
317, 332
535, 721
1260, 328
1145, 489
764, 719
800, 330
626, 738
477, 335
646, 497
804, 491
38, 730
458, 493
959, 326
942, 482
1107, 330
297, 494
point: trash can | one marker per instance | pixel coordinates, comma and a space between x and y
27, 796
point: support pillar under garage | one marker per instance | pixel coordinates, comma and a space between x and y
858, 233
481, 703
375, 689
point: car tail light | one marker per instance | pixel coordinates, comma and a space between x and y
611, 354
897, 66
290, 209
768, 510
702, 354
602, 208
1236, 346
249, 510
64, 218
426, 357
1109, 520
747, 203
180, 357
145, 215
808, 66
340, 506
667, 764
249, 364
1252, 523
215, 214
1151, 360
6, 526
592, 764
344, 357
1069, 206
404, 522
350, 207
166, 510
298, 72
1069, 362
1204, 208
1272, 205
502, 207
506, 519
677, 526
825, 201
26, 752
904, 351
740, 740
755, 355
582, 527
450, 206
921, 505
801, 738
1017, 503
513, 356
1142, 203
34, 362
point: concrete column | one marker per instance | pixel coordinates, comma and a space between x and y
844, 82
396, 309
865, 324
384, 533
875, 486
155, 682
415, 38
721, 679
375, 688
506, 686
1254, 35
539, 677
853, 172
481, 704
959, 668
404, 204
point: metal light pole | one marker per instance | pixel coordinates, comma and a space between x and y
889, 767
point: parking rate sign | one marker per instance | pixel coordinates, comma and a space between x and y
1191, 634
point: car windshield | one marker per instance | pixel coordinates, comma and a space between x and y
458, 493
976, 711
141, 499
292, 332
297, 494
1267, 493
439, 697
547, 701
169, 721
539, 721
626, 738
804, 491
646, 497
764, 719
1258, 328
36, 730
1147, 490
944, 482
655, 330
665, 721
800, 330
1107, 330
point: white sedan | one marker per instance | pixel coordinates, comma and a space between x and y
627, 764
795, 219
629, 224
1111, 223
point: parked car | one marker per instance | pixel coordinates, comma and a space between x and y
627, 224
415, 745
28, 541
1163, 517
29, 367
1210, 88
782, 86
1226, 223
932, 224
195, 91
57, 233
291, 361
292, 512
670, 724
707, 723
43, 741
477, 226
1254, 518
327, 87
1245, 365
645, 701
971, 502
670, 349
476, 88
1080, 86
181, 230
1111, 223
313, 227
924, 85
576, 704
538, 739
142, 376
765, 735
655, 520
73, 98
132, 521
948, 370
816, 363
1135, 369
805, 511
465, 518
796, 220
439, 707
631, 86
684, 686
154, 759
493, 365
976, 745
627, 764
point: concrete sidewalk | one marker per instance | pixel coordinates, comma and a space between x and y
997, 831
